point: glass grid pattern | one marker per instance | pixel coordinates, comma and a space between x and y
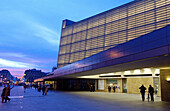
110, 28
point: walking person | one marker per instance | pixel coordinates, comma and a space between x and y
3, 94
109, 88
39, 88
43, 89
46, 90
142, 91
25, 86
114, 89
7, 93
93, 87
151, 91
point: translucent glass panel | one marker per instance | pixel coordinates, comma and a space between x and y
115, 38
80, 27
66, 40
76, 56
112, 39
61, 59
141, 31
140, 6
162, 24
161, 13
64, 49
95, 32
160, 3
66, 31
131, 22
149, 5
79, 46
112, 16
96, 21
116, 26
150, 17
141, 19
131, 34
94, 43
79, 36
149, 28
93, 51
122, 37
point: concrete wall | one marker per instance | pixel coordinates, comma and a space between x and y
133, 84
165, 85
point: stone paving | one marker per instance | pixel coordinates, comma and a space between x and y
32, 100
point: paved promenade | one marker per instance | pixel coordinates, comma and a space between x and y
32, 100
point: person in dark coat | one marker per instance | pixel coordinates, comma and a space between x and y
25, 86
151, 91
3, 94
114, 89
93, 87
7, 93
142, 91
109, 89
39, 88
43, 89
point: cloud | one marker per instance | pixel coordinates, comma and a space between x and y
18, 57
46, 33
15, 64
6, 54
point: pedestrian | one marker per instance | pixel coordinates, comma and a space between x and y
3, 94
36, 87
114, 89
39, 88
109, 88
142, 91
151, 91
25, 86
7, 93
93, 87
43, 89
46, 90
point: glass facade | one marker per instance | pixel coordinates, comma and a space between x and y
108, 29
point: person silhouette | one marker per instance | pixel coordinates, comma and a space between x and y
151, 91
142, 91
7, 93
3, 94
43, 89
109, 89
114, 89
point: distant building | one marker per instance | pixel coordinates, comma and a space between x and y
32, 74
5, 76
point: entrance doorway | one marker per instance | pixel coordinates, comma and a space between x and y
124, 85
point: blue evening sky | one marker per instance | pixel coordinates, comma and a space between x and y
30, 30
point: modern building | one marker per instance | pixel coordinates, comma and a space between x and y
32, 74
126, 47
